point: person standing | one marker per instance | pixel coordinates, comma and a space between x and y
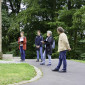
63, 47
48, 48
38, 44
22, 45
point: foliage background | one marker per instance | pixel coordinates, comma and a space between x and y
43, 15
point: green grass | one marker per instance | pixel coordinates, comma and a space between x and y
81, 61
13, 73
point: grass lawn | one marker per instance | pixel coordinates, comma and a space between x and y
81, 61
13, 73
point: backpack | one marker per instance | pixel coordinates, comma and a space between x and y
53, 44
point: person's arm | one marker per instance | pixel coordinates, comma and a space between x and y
49, 41
66, 42
19, 40
35, 41
25, 40
41, 40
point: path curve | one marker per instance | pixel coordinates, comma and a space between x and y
74, 76
38, 72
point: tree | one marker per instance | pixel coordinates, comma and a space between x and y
45, 15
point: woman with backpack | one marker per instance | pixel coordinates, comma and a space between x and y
22, 45
48, 48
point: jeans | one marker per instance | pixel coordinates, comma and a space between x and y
41, 53
62, 58
44, 57
22, 53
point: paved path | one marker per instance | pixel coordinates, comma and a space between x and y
74, 76
8, 62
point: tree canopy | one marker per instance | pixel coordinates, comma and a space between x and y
43, 15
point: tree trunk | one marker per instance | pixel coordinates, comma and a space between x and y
69, 4
0, 32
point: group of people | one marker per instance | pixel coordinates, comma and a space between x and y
45, 47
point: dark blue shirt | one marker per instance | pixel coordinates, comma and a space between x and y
38, 40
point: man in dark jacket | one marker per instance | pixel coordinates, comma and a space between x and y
48, 48
38, 44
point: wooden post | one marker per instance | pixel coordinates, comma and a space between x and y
0, 30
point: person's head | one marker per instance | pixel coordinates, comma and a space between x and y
60, 30
49, 33
38, 33
22, 33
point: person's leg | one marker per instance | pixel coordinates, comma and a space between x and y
41, 53
64, 65
49, 57
64, 61
21, 51
37, 55
44, 57
59, 64
23, 58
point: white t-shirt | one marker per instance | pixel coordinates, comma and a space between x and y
21, 40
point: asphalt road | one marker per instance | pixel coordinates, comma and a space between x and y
75, 74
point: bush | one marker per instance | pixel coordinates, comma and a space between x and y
14, 49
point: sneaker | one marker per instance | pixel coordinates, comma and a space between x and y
48, 64
41, 60
37, 60
42, 63
55, 70
22, 60
63, 71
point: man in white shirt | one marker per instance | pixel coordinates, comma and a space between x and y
63, 47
